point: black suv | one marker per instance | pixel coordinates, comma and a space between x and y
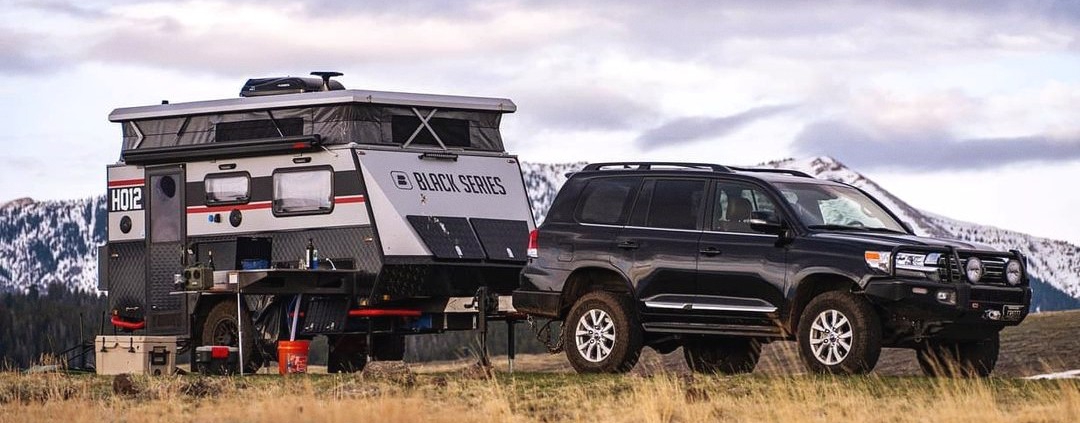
719, 260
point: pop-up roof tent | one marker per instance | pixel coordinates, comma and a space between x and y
339, 116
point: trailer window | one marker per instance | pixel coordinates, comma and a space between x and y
299, 192
232, 188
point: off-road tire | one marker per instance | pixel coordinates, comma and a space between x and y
627, 332
959, 359
722, 355
865, 330
224, 314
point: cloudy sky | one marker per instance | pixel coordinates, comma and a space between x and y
967, 109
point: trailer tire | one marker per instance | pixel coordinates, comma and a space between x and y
602, 321
219, 327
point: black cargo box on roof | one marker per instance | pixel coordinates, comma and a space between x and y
336, 116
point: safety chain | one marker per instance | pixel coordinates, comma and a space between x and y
543, 334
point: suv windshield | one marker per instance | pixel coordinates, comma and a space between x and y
824, 206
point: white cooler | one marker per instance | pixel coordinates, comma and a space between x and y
141, 355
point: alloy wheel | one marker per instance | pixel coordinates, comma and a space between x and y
830, 337
594, 335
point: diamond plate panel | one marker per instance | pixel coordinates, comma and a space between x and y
127, 274
164, 264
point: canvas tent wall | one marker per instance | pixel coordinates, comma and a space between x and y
337, 117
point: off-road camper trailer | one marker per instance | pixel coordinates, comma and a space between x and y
375, 215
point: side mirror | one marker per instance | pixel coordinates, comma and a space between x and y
765, 222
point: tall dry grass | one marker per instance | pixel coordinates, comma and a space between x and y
453, 397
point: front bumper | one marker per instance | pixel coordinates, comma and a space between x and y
962, 304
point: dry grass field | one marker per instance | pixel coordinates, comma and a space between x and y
659, 390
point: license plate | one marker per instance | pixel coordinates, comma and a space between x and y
1012, 312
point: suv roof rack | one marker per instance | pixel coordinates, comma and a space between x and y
798, 173
649, 165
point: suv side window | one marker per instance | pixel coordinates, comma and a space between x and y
670, 204
605, 200
735, 202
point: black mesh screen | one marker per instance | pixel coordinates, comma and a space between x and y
452, 132
256, 129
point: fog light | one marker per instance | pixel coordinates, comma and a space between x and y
992, 315
920, 291
947, 296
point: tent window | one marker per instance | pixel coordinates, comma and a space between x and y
257, 129
452, 132
304, 191
232, 188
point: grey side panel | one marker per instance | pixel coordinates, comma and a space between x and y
288, 247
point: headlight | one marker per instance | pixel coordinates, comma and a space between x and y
879, 260
1014, 272
918, 262
974, 269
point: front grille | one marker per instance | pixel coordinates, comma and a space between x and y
994, 274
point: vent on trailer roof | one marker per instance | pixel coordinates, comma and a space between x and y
291, 85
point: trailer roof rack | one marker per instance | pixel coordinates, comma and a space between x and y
791, 172
650, 166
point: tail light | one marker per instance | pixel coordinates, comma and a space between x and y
534, 244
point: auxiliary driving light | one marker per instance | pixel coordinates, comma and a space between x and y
946, 296
1014, 272
974, 269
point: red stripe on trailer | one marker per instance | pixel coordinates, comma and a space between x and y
216, 209
123, 324
264, 205
384, 312
349, 199
126, 182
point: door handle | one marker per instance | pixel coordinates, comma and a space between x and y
710, 251
627, 245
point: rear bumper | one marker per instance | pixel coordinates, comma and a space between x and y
970, 305
538, 303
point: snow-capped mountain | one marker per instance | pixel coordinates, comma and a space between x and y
55, 241
47, 242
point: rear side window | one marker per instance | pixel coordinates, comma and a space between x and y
233, 188
605, 200
674, 203
308, 191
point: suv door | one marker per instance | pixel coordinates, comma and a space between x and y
602, 210
740, 271
658, 248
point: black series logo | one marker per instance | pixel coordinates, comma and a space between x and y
401, 179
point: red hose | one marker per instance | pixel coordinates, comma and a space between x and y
123, 324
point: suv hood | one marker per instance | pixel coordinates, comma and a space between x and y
890, 240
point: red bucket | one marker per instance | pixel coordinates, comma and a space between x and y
292, 356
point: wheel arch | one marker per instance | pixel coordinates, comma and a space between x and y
592, 278
811, 286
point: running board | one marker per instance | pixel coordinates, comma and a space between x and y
709, 303
757, 331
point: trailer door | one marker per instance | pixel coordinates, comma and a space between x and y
165, 216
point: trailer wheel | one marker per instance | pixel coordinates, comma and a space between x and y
602, 334
959, 359
219, 327
348, 354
